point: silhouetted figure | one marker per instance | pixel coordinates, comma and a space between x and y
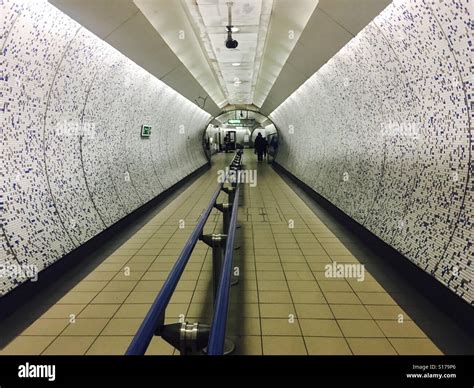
260, 145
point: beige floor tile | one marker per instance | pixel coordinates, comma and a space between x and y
283, 327
303, 285
321, 258
406, 329
299, 275
359, 328
366, 286
327, 346
283, 310
340, 285
269, 267
279, 345
141, 297
132, 275
307, 297
85, 326
371, 346
122, 326
120, 285
391, 313
99, 311
133, 310
116, 297
97, 285
274, 297
350, 311
142, 259
46, 327
27, 345
99, 276
378, 298
320, 328
415, 346
160, 275
335, 297
272, 285
150, 285
74, 345
82, 297
313, 311
110, 345
287, 267
109, 267
64, 311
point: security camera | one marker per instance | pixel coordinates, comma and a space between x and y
230, 43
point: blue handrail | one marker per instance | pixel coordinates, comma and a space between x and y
145, 333
219, 320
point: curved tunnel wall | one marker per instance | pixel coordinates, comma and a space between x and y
384, 132
73, 161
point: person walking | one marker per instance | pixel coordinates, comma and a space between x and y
259, 146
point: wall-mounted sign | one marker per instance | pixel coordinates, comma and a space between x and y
232, 121
146, 131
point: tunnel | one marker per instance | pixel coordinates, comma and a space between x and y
244, 178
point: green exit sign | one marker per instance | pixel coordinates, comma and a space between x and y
146, 131
236, 121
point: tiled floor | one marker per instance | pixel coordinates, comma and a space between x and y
283, 304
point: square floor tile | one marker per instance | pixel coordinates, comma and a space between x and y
415, 346
350, 311
275, 310
90, 286
380, 298
110, 345
272, 285
279, 345
27, 345
313, 311
303, 285
320, 328
359, 328
341, 297
274, 297
405, 329
82, 297
307, 297
120, 285
371, 346
85, 326
391, 313
99, 311
116, 297
63, 311
122, 326
280, 327
327, 346
46, 326
74, 345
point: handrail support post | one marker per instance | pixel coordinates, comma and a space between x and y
217, 243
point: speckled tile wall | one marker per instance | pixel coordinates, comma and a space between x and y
73, 160
384, 131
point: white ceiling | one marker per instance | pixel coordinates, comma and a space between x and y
252, 17
319, 33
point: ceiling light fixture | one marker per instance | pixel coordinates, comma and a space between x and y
230, 43
236, 64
